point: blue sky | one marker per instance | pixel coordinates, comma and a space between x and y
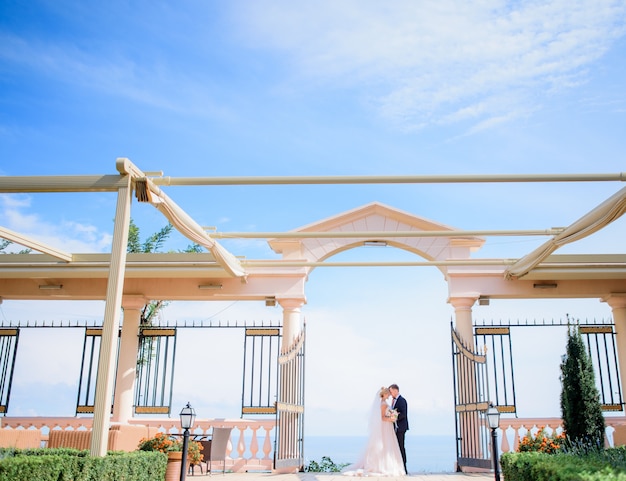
244, 88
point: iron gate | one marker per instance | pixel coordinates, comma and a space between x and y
155, 364
155, 370
89, 370
260, 371
599, 339
470, 404
9, 339
289, 450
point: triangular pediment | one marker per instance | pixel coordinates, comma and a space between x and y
373, 214
375, 222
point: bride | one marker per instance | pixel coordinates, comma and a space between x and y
381, 456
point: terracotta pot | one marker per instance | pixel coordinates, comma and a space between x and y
174, 462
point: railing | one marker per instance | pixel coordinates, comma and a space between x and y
251, 445
516, 429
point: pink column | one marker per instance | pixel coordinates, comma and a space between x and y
617, 302
292, 320
127, 361
463, 317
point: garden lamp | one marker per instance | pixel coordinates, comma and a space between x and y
187, 417
493, 419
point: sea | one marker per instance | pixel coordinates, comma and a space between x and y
424, 454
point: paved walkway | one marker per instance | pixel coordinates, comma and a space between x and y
339, 477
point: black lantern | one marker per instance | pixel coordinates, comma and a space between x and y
493, 419
187, 418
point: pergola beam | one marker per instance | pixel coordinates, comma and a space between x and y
111, 183
33, 244
61, 183
391, 179
385, 234
447, 263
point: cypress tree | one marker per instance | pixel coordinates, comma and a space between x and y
581, 410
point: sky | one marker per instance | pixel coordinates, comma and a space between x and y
256, 88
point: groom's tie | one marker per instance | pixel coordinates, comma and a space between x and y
393, 404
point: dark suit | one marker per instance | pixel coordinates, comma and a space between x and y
402, 425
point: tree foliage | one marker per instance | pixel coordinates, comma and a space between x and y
581, 410
4, 244
152, 244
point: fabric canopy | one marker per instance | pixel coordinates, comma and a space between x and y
146, 191
611, 209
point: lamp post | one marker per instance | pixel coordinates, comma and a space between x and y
187, 417
493, 419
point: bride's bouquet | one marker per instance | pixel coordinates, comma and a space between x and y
393, 414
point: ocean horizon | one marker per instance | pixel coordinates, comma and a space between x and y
424, 454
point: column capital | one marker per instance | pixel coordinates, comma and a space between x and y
291, 304
134, 301
462, 302
617, 300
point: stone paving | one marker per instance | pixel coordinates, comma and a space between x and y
339, 477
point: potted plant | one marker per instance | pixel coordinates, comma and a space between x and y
172, 446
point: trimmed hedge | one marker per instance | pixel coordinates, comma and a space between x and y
73, 465
536, 466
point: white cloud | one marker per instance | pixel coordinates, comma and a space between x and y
425, 63
69, 236
15, 201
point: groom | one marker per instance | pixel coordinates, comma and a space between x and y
402, 424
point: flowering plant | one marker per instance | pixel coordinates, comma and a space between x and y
194, 456
542, 442
165, 443
393, 414
160, 442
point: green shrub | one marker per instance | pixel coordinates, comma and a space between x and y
609, 465
74, 465
580, 400
326, 465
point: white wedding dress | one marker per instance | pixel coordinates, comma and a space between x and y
381, 456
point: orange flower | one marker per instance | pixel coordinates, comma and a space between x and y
541, 442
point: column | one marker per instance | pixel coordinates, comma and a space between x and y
111, 325
127, 360
617, 302
463, 318
292, 321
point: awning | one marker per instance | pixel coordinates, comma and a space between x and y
611, 209
146, 191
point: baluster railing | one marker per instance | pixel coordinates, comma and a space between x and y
243, 448
513, 430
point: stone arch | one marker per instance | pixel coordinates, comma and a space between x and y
376, 218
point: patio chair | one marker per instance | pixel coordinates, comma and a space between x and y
217, 451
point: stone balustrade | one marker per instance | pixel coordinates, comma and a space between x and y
251, 444
515, 429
